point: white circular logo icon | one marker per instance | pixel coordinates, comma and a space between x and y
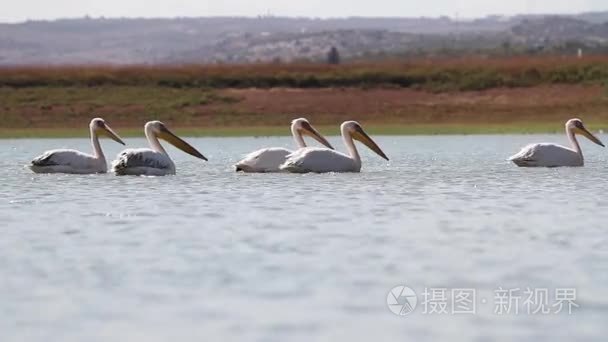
402, 300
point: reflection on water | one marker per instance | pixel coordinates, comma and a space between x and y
211, 254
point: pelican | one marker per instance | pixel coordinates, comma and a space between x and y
76, 162
324, 160
551, 155
153, 161
269, 159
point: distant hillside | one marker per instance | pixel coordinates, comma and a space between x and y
556, 29
204, 40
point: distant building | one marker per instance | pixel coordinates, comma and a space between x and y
333, 56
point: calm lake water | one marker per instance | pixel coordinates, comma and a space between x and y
218, 256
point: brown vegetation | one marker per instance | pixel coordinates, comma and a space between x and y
131, 106
518, 91
436, 75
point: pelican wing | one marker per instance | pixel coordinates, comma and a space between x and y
72, 158
546, 155
312, 159
141, 158
264, 160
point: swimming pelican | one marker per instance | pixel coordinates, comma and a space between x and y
76, 162
551, 155
269, 159
153, 161
324, 160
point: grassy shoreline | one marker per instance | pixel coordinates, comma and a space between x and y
373, 129
434, 96
65, 112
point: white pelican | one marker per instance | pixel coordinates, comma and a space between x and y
76, 162
269, 159
324, 160
551, 155
153, 161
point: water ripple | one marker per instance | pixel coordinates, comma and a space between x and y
211, 254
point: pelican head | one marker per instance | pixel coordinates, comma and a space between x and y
161, 131
576, 126
356, 132
304, 127
99, 126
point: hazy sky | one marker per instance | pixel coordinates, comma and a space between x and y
20, 10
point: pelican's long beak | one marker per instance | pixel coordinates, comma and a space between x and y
365, 139
590, 136
174, 140
112, 135
312, 132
